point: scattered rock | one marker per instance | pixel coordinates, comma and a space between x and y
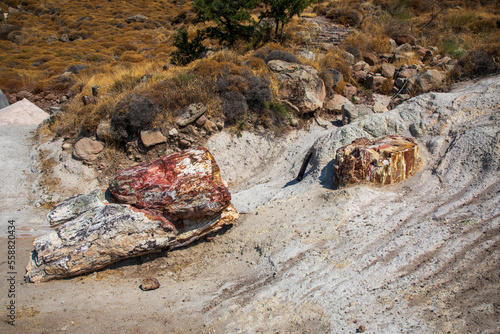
427, 81
404, 48
87, 149
335, 103
301, 84
201, 121
150, 283
173, 132
64, 38
383, 161
52, 38
191, 113
361, 66
374, 82
359, 76
349, 91
168, 66
66, 146
370, 58
103, 131
76, 68
350, 112
406, 39
152, 137
136, 18
387, 70
210, 127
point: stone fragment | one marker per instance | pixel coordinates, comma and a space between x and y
406, 39
52, 38
76, 68
210, 127
335, 103
150, 283
349, 91
184, 184
361, 66
370, 58
359, 76
64, 38
201, 121
336, 76
383, 161
103, 131
374, 82
87, 149
427, 81
191, 113
350, 112
152, 137
136, 18
404, 48
173, 132
387, 70
300, 84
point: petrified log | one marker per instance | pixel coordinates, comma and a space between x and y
182, 185
93, 232
383, 161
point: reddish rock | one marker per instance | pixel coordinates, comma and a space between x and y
370, 58
150, 138
87, 149
382, 161
201, 121
387, 70
406, 39
359, 76
182, 185
374, 82
349, 91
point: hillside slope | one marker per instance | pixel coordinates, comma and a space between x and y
420, 256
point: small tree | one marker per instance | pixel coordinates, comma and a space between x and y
232, 18
282, 11
187, 51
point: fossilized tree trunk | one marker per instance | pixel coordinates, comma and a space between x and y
170, 202
383, 161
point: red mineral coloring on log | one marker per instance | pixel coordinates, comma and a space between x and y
182, 185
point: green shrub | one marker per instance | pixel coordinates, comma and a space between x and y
187, 51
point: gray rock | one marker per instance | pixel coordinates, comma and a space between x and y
191, 113
3, 100
103, 131
76, 68
136, 18
374, 82
173, 132
52, 38
351, 112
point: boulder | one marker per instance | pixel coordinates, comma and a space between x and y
201, 121
191, 113
361, 66
178, 199
136, 18
181, 185
87, 149
152, 137
403, 48
76, 68
301, 84
335, 103
3, 100
382, 161
359, 76
210, 127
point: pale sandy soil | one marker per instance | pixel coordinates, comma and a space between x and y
421, 256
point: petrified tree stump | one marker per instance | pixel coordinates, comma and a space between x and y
170, 202
382, 161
